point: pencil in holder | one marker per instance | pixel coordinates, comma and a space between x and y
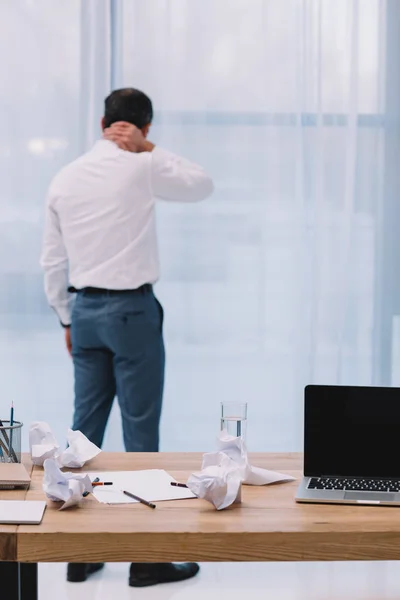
10, 441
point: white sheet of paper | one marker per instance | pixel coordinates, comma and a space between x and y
21, 512
153, 485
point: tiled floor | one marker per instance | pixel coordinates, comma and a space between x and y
283, 581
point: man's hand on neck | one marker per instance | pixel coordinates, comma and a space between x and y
127, 137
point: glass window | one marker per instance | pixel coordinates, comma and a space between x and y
40, 75
270, 284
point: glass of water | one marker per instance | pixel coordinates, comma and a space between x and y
234, 418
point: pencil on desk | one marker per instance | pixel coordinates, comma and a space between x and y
139, 499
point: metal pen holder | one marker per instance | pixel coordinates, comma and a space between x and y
10, 442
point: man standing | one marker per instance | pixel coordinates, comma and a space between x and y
100, 243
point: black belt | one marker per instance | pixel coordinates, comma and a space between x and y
143, 289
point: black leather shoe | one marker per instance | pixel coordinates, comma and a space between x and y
146, 574
78, 572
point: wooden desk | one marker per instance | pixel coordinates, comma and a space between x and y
267, 526
18, 579
175, 531
8, 533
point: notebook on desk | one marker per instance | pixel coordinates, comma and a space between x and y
21, 512
13, 475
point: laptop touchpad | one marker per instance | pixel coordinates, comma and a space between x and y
370, 496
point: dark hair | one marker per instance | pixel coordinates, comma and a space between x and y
129, 105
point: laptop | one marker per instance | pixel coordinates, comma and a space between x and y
351, 445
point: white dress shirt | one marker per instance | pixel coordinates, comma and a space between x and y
100, 228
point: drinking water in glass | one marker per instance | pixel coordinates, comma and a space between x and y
234, 418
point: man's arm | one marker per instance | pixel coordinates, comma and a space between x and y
177, 179
172, 177
54, 262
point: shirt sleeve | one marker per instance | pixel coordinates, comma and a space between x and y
54, 262
177, 179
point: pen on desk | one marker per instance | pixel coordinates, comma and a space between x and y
85, 494
139, 499
97, 483
176, 484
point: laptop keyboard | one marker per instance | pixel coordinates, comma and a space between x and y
354, 485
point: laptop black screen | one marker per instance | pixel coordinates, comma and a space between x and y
352, 431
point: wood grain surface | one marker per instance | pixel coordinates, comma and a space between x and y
267, 526
8, 533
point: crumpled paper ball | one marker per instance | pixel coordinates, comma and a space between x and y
64, 487
219, 483
223, 472
44, 445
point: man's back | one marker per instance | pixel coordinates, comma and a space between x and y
105, 206
100, 220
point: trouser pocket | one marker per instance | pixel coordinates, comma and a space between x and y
161, 311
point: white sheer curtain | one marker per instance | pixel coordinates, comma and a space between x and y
270, 285
55, 72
